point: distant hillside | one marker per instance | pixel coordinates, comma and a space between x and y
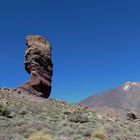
26, 117
119, 101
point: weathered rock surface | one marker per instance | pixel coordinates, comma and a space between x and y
39, 65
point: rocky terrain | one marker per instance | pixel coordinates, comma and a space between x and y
120, 101
39, 65
28, 117
26, 113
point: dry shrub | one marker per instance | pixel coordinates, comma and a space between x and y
99, 135
40, 136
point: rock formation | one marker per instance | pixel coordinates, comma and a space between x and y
39, 65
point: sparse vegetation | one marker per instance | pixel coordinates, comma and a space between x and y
36, 117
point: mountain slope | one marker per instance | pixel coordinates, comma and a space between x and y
22, 115
119, 101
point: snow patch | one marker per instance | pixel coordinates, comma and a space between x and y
128, 85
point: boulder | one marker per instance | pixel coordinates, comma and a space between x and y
132, 115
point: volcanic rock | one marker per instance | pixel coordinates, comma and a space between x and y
132, 115
38, 64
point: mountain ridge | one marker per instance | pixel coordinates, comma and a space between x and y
118, 101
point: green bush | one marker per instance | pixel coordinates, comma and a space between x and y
78, 117
4, 111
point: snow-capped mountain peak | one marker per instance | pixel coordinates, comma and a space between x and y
128, 85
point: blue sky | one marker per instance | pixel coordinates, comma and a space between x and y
96, 43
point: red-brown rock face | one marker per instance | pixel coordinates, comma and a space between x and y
39, 65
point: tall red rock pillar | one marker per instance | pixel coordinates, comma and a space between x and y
38, 64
